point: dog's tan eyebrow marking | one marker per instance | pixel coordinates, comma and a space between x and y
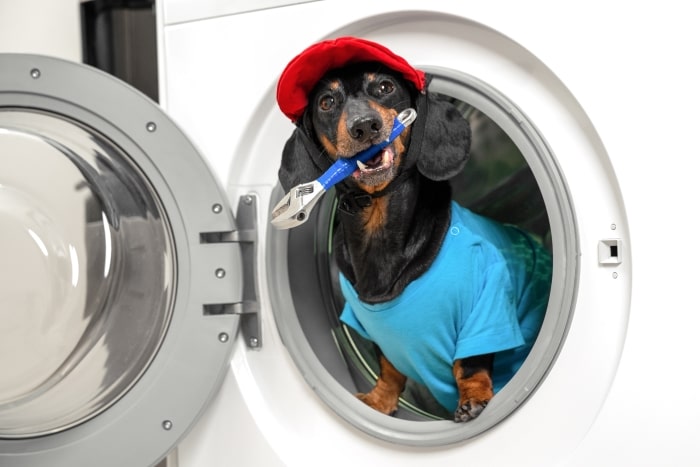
333, 85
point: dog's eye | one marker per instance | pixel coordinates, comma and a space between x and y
326, 102
386, 87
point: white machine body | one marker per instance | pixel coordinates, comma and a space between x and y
613, 90
602, 98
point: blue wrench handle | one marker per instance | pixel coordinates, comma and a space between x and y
344, 167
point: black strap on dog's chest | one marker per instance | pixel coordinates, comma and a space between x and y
352, 203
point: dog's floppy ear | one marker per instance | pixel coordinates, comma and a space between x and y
446, 137
300, 159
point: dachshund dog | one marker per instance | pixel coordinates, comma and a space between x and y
451, 299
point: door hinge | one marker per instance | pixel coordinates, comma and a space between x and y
246, 237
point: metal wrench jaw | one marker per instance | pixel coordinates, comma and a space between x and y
294, 208
407, 116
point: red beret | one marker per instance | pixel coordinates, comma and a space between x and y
306, 69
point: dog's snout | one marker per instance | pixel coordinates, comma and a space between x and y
365, 128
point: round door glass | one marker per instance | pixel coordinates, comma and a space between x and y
87, 273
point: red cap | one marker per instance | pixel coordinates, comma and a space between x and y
306, 69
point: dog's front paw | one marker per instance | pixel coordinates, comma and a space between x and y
383, 404
469, 410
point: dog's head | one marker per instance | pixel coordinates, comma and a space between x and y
349, 103
354, 108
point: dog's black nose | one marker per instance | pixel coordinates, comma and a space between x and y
364, 128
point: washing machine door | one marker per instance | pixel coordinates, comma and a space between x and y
121, 271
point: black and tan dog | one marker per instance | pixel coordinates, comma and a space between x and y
395, 210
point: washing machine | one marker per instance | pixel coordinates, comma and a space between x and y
205, 333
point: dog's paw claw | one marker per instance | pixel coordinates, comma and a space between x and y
469, 410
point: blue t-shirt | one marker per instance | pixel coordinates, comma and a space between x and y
486, 292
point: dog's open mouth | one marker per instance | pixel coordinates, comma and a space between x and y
376, 170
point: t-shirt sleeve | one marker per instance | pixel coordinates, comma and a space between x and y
491, 325
348, 317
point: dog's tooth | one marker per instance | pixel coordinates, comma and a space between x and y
361, 166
